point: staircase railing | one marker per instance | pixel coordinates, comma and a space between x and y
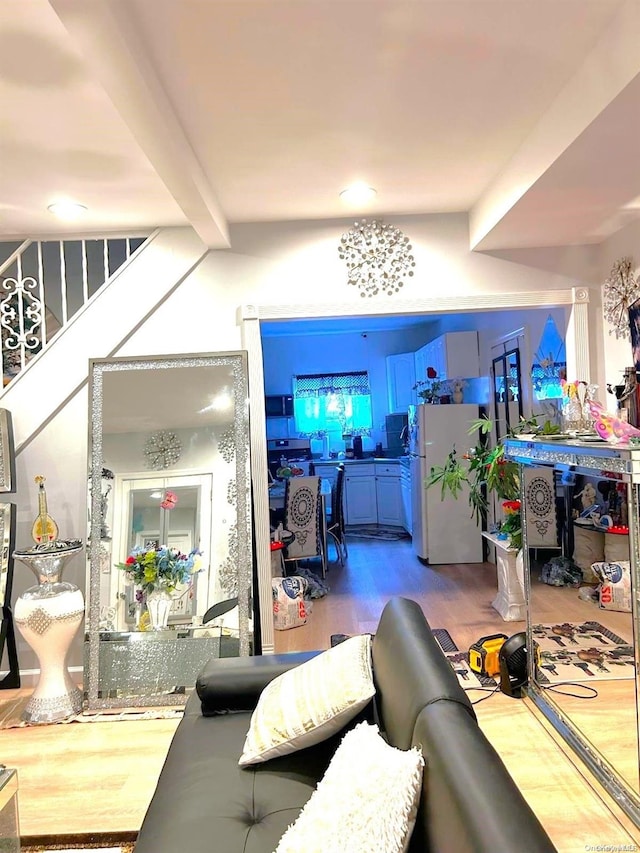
44, 283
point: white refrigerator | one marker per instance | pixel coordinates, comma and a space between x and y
443, 531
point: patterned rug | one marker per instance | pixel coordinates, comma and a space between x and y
459, 662
386, 533
11, 715
85, 845
581, 651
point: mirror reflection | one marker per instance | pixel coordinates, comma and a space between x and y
580, 603
170, 538
549, 366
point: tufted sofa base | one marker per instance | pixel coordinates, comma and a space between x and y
206, 803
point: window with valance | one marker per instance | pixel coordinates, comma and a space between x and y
332, 403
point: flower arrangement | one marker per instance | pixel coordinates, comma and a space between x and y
511, 527
431, 388
161, 568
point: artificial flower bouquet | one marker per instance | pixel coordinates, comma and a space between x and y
511, 526
161, 568
431, 388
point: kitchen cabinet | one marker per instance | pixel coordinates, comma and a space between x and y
389, 495
401, 377
405, 491
373, 494
360, 494
451, 355
327, 470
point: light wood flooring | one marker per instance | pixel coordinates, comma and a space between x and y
99, 777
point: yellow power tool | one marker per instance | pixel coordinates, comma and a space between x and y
483, 655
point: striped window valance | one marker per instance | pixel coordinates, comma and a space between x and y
321, 384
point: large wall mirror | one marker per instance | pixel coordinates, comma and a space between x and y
168, 466
584, 673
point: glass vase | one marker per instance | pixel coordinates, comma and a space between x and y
159, 606
48, 616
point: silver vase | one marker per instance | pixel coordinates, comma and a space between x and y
159, 605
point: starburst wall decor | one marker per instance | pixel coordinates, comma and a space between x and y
621, 290
378, 256
162, 449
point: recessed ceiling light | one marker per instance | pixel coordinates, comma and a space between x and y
67, 209
358, 193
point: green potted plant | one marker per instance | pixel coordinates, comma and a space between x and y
486, 472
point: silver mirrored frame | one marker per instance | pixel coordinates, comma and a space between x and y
7, 630
240, 540
622, 464
7, 457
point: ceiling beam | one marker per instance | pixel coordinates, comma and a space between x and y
611, 66
106, 35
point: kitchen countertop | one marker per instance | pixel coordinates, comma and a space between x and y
392, 460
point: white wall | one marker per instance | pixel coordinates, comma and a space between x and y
269, 264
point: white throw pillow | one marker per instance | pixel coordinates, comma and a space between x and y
311, 702
367, 800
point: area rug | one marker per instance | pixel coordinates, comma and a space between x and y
581, 651
119, 848
385, 533
91, 843
459, 662
11, 714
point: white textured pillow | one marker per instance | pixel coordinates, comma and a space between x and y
311, 702
367, 800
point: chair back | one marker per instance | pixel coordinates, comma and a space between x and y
302, 516
337, 498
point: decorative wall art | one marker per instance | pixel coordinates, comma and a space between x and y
378, 256
162, 449
621, 290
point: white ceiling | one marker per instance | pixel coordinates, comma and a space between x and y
204, 112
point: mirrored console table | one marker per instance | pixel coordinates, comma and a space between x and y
583, 658
135, 664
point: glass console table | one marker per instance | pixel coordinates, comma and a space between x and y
580, 648
9, 824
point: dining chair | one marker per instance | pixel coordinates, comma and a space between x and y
302, 506
335, 520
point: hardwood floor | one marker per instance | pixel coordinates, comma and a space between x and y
99, 777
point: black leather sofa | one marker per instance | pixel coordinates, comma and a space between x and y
205, 802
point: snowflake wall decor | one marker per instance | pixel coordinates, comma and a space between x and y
621, 290
162, 449
378, 256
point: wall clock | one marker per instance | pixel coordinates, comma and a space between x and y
378, 255
162, 449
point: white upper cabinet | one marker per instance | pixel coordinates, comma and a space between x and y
401, 377
451, 355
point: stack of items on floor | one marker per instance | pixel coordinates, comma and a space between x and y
600, 565
370, 745
292, 595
